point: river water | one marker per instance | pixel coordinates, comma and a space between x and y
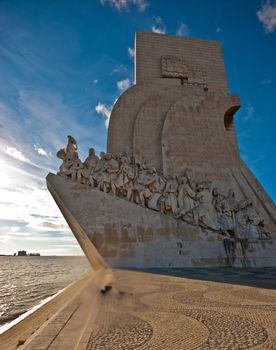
27, 281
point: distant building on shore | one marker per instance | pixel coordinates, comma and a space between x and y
24, 253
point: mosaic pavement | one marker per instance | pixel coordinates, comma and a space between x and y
147, 311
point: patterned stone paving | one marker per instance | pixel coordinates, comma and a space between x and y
125, 332
147, 311
170, 313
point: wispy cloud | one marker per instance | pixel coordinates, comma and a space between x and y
218, 29
131, 52
123, 84
159, 26
54, 226
105, 111
29, 218
16, 154
45, 95
123, 5
41, 151
24, 199
267, 16
183, 29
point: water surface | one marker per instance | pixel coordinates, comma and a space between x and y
27, 281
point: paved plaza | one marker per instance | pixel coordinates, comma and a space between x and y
203, 309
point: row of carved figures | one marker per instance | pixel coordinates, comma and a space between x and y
179, 196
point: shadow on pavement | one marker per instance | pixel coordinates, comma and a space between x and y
264, 277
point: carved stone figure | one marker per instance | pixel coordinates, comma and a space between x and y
241, 220
171, 190
204, 211
120, 180
66, 165
99, 170
156, 185
112, 171
253, 220
189, 175
225, 218
104, 180
186, 197
249, 224
144, 180
140, 182
89, 166
71, 162
77, 168
165, 204
128, 180
196, 204
71, 147
217, 198
231, 200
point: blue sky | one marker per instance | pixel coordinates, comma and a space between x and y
64, 63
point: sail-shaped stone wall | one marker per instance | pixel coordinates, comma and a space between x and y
172, 191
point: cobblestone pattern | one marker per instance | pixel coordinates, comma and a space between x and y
129, 332
227, 331
170, 313
118, 329
198, 298
256, 295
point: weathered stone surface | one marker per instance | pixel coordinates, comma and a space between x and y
128, 235
201, 56
172, 150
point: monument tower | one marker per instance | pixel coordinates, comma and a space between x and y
172, 191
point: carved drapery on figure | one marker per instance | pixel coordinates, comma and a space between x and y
198, 204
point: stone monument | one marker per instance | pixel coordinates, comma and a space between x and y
172, 190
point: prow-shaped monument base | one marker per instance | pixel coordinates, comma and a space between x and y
115, 232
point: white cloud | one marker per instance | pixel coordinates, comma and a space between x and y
29, 217
159, 30
267, 16
95, 81
159, 26
183, 29
41, 151
123, 84
16, 154
24, 199
218, 30
122, 5
105, 111
33, 111
24, 196
41, 108
131, 52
